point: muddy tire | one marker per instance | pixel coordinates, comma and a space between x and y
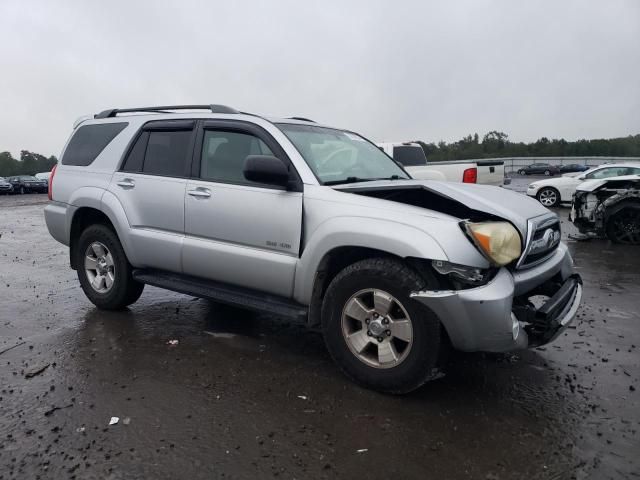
624, 225
549, 197
103, 269
379, 336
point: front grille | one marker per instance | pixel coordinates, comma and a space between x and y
543, 242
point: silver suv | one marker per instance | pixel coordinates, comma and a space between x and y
312, 222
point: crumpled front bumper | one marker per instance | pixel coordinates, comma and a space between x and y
487, 319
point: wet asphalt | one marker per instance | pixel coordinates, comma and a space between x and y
243, 395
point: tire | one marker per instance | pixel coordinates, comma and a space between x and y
522, 172
124, 290
624, 225
549, 197
547, 172
416, 360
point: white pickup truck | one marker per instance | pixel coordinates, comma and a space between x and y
412, 157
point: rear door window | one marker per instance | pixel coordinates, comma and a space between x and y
166, 153
89, 141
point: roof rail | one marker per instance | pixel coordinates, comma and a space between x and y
164, 109
303, 119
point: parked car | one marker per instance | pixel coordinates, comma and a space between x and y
609, 207
412, 157
554, 191
43, 176
539, 169
5, 186
312, 222
573, 167
28, 184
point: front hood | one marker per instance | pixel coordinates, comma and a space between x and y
493, 201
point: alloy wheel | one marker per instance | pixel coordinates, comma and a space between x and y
99, 267
377, 328
548, 197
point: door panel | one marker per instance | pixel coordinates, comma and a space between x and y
155, 210
242, 234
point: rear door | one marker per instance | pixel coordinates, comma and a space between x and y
151, 185
237, 231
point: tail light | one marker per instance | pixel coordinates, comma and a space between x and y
50, 189
470, 175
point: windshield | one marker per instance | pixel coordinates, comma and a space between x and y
338, 156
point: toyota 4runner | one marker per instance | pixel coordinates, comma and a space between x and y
302, 220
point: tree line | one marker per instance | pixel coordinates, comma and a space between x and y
29, 163
493, 145
497, 144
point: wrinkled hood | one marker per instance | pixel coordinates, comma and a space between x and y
591, 185
494, 201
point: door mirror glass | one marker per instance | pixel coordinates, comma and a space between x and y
266, 169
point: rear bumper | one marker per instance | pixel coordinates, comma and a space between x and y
57, 216
497, 317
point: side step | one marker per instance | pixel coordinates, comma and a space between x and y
223, 293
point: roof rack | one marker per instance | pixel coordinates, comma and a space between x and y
164, 109
303, 119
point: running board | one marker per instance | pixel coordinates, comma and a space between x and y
222, 293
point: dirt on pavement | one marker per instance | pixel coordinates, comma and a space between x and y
251, 396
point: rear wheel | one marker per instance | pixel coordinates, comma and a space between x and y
103, 269
378, 335
549, 197
547, 172
624, 225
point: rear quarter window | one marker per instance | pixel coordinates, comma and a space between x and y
87, 143
409, 156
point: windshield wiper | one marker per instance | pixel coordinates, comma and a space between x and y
358, 179
348, 180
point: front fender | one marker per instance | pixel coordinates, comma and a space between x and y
395, 238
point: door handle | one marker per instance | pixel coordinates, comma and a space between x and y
126, 183
200, 193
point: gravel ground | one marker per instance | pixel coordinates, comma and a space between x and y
250, 396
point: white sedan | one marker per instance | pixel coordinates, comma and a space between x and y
553, 191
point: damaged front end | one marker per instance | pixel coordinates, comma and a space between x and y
609, 208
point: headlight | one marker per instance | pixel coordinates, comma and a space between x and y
498, 241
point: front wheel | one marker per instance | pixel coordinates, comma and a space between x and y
103, 269
522, 172
547, 172
549, 197
377, 334
624, 226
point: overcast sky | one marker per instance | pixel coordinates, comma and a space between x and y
398, 70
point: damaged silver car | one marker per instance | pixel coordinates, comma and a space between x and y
609, 207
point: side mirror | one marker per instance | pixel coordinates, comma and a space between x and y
266, 169
581, 177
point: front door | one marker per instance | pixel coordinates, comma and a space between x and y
237, 231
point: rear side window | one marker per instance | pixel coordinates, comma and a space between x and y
87, 143
167, 153
409, 156
162, 152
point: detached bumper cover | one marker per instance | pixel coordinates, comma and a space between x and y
494, 318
